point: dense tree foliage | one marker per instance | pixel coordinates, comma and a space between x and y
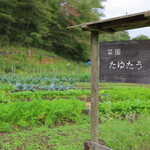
117, 36
43, 23
141, 37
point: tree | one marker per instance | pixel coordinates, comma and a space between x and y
43, 23
117, 36
6, 20
27, 21
141, 37
74, 43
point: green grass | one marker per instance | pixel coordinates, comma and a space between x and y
41, 62
117, 134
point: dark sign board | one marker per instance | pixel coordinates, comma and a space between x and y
125, 61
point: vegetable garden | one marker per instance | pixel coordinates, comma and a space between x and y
53, 113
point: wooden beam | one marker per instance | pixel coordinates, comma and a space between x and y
147, 14
126, 22
120, 25
94, 85
108, 30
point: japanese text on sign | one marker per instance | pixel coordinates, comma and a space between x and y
115, 51
125, 65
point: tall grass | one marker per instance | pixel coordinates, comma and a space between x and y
31, 61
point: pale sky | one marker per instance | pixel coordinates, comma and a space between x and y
115, 8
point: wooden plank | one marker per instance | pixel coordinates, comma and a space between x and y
94, 85
88, 145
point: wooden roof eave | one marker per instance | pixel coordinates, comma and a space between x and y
121, 23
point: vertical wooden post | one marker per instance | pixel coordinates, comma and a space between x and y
94, 85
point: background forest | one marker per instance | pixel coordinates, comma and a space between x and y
43, 24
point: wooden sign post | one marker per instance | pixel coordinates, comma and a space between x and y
94, 85
95, 50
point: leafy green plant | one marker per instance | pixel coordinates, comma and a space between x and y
38, 112
14, 78
5, 127
6, 87
122, 93
4, 97
123, 108
28, 95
